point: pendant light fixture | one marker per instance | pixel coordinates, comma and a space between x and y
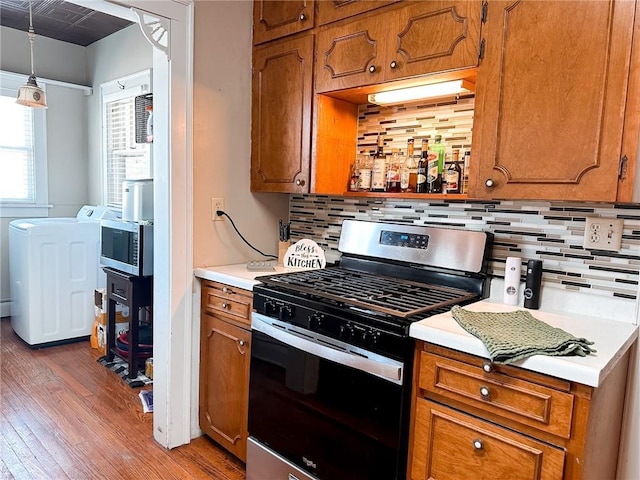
31, 95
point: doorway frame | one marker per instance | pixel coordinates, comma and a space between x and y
172, 78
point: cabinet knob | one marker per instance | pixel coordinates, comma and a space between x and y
393, 64
225, 290
372, 69
300, 183
489, 183
241, 343
225, 305
487, 367
484, 392
303, 17
477, 444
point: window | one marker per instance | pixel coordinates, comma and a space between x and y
23, 153
123, 158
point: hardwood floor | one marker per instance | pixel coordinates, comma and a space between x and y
65, 416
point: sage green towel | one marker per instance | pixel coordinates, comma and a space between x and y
512, 336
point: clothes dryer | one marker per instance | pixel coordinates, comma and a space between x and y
54, 271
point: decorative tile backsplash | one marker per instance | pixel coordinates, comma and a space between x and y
450, 117
550, 231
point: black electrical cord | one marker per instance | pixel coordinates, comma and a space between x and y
220, 213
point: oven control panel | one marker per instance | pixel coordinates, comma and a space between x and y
403, 239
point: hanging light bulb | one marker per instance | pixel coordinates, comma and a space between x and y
31, 95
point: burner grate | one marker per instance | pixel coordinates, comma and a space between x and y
389, 295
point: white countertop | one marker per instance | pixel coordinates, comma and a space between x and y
236, 275
612, 339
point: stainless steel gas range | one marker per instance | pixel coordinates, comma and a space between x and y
331, 358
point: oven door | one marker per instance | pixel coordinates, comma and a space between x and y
334, 413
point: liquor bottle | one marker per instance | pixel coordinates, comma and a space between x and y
404, 172
453, 174
421, 177
411, 166
365, 174
465, 172
393, 172
379, 170
435, 167
354, 179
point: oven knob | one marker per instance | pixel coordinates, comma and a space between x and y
285, 313
314, 321
346, 332
269, 308
370, 338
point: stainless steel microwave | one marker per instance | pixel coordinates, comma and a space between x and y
127, 246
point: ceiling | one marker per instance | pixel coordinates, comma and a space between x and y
60, 20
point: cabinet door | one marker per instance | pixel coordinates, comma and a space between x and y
449, 445
277, 18
351, 55
332, 10
433, 37
281, 116
224, 383
550, 100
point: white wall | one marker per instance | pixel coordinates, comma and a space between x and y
66, 127
115, 56
222, 140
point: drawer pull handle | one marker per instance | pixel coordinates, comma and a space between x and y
484, 392
477, 444
225, 290
241, 343
303, 17
487, 367
372, 69
226, 305
393, 64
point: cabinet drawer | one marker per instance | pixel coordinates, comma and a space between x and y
333, 10
452, 445
526, 402
279, 18
231, 302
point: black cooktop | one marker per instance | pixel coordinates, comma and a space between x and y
371, 291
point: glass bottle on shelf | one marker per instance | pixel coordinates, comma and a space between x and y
379, 172
393, 172
404, 172
354, 179
465, 172
421, 177
453, 174
364, 177
411, 166
435, 166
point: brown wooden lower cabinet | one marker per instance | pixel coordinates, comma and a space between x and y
458, 446
225, 353
472, 419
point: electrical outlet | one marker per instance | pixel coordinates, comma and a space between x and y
603, 233
217, 204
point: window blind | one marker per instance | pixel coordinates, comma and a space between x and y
125, 159
17, 182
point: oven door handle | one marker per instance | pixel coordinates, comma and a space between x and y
385, 368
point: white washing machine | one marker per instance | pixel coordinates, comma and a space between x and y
54, 270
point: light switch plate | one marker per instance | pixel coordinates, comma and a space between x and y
603, 233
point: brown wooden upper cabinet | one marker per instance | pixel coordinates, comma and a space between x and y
417, 39
274, 19
281, 115
333, 10
551, 98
